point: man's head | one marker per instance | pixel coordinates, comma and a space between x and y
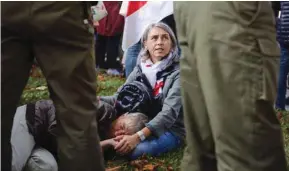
130, 123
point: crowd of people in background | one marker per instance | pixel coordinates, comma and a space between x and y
108, 39
110, 56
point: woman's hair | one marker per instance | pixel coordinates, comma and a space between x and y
144, 53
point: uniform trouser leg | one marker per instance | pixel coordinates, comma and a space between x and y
69, 70
228, 72
15, 63
63, 46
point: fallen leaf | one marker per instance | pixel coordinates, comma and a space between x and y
100, 78
138, 163
113, 168
150, 167
41, 88
170, 168
109, 162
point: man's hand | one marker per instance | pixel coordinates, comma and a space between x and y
108, 143
112, 142
126, 143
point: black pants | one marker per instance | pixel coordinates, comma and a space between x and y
107, 45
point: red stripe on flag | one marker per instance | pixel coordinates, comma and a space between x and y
133, 6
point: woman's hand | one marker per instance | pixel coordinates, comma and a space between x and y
126, 143
119, 132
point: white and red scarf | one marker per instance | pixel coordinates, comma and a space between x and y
151, 69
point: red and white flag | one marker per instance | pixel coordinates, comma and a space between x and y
138, 15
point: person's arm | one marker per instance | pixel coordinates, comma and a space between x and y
166, 117
111, 99
170, 111
105, 144
159, 124
43, 119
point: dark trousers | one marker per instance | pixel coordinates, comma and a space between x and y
131, 58
283, 72
54, 33
228, 80
107, 46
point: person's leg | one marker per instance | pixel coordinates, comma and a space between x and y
16, 61
100, 51
113, 52
283, 72
156, 146
22, 142
41, 159
64, 49
199, 154
236, 71
131, 58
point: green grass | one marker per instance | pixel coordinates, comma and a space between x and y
284, 120
36, 89
107, 85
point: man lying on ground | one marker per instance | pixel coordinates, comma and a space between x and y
33, 136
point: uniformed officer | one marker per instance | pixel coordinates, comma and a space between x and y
228, 75
56, 35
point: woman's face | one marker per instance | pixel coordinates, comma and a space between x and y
158, 43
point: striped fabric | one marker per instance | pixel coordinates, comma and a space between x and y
283, 23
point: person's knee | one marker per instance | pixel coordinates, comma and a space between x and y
157, 146
144, 148
41, 159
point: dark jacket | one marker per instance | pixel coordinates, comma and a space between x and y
170, 116
283, 24
113, 23
41, 123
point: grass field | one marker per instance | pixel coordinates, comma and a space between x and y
36, 89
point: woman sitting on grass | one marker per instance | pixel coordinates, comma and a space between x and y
153, 88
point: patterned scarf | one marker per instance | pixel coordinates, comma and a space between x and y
151, 69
